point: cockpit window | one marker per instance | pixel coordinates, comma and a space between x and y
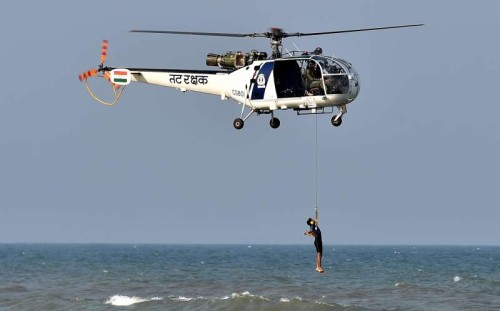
313, 78
337, 84
312, 75
335, 74
329, 66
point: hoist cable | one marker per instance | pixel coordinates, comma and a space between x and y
316, 171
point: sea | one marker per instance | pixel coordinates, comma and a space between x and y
247, 277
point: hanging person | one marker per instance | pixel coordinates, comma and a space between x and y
315, 232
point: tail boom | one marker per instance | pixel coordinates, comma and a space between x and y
204, 81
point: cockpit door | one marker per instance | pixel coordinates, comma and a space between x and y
288, 79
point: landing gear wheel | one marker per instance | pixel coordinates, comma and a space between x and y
238, 123
274, 123
337, 122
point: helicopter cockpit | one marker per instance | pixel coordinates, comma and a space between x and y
315, 75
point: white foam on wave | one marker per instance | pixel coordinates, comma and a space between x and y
122, 301
242, 295
456, 278
246, 294
325, 304
182, 298
401, 285
285, 299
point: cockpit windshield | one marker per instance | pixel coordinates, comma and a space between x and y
329, 66
334, 75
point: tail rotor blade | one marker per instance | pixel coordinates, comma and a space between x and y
104, 51
107, 76
88, 74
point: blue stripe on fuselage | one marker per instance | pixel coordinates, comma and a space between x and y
259, 87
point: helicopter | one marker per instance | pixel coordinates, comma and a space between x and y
301, 81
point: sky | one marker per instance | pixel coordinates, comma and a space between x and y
414, 162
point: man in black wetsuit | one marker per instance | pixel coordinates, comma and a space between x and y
318, 242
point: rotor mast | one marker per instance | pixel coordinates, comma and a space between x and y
276, 36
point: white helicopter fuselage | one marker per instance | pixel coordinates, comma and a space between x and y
307, 84
268, 85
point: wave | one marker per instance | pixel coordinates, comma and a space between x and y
182, 298
122, 301
286, 299
234, 301
247, 295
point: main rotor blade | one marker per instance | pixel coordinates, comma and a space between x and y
215, 34
301, 34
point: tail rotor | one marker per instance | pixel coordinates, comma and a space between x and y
101, 71
94, 72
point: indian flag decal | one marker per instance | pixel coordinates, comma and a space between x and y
120, 76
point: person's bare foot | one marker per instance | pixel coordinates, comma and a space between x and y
320, 270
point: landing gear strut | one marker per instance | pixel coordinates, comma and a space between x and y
337, 119
238, 123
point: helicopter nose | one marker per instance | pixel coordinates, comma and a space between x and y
354, 81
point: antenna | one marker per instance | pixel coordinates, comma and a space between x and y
288, 52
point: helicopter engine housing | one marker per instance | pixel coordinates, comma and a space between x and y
234, 60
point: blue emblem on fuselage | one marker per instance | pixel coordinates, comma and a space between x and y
259, 88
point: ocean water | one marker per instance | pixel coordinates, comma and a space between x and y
247, 277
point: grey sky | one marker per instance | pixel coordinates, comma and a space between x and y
414, 162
